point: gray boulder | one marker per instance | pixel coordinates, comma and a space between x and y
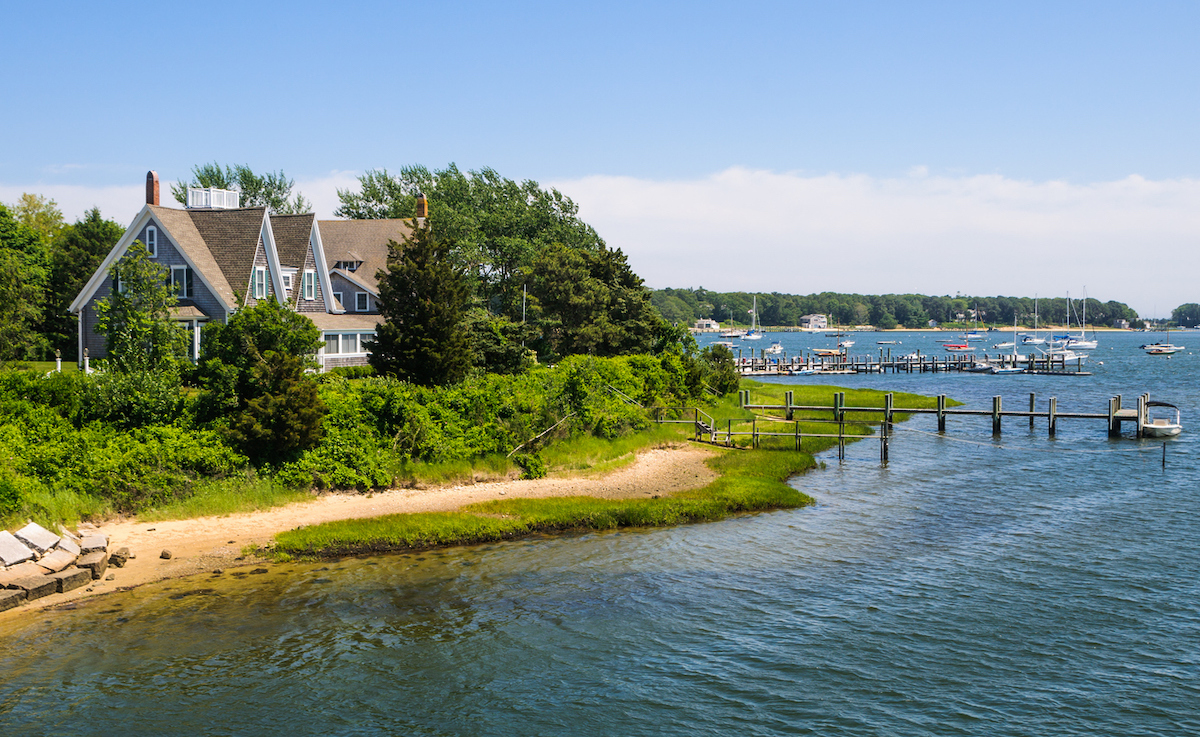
12, 550
57, 560
68, 544
35, 587
24, 570
93, 542
119, 557
71, 578
96, 562
37, 537
10, 599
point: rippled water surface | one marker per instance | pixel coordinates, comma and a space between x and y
1011, 586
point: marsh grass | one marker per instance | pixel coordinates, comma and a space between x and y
750, 482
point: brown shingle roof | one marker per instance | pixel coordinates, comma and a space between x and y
232, 238
291, 238
362, 240
182, 228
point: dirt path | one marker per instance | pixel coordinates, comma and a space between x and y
206, 543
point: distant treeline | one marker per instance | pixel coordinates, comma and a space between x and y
685, 306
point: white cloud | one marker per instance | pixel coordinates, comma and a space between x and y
1132, 240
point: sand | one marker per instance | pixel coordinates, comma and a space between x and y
206, 543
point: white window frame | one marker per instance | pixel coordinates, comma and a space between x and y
179, 285
364, 299
260, 282
350, 343
287, 282
152, 241
310, 285
337, 342
337, 297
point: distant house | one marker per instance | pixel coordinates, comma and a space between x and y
814, 322
705, 323
1121, 324
220, 256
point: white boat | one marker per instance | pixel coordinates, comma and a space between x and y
726, 343
1082, 342
1160, 426
731, 333
1005, 344
845, 343
775, 349
753, 334
1008, 370
1033, 339
887, 342
1162, 347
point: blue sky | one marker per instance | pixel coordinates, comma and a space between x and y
905, 115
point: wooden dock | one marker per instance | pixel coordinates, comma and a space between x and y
843, 363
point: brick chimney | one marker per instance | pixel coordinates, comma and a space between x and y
422, 206
151, 188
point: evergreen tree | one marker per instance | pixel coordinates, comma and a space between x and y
423, 298
136, 317
74, 256
285, 415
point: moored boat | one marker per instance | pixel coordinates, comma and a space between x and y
1162, 420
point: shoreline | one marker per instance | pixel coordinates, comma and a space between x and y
204, 544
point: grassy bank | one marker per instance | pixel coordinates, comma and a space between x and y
748, 482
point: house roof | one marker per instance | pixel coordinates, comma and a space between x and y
326, 321
365, 241
188, 238
291, 238
232, 237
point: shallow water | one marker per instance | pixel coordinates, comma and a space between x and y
1020, 586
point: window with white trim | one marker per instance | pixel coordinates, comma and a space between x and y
331, 343
181, 281
361, 302
310, 285
260, 283
362, 341
287, 282
152, 241
350, 343
337, 298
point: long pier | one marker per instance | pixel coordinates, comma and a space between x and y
842, 363
1114, 416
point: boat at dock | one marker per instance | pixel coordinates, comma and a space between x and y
754, 333
1162, 420
775, 349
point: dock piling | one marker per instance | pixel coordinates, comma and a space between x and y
996, 415
1052, 415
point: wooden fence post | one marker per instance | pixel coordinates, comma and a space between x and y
1053, 415
996, 415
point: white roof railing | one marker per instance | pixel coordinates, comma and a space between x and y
212, 198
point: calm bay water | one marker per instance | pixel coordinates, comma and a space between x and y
1020, 586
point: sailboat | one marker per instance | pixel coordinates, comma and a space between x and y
754, 334
1033, 339
1082, 341
1014, 368
1162, 347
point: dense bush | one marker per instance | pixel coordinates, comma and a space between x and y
135, 441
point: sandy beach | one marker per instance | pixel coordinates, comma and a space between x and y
206, 543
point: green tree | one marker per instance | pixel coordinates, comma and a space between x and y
497, 225
591, 303
39, 214
272, 189
135, 318
240, 345
22, 283
1186, 315
422, 297
74, 256
285, 416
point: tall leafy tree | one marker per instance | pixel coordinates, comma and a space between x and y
39, 214
423, 296
22, 282
136, 318
497, 225
75, 255
272, 189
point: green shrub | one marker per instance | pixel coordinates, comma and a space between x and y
531, 464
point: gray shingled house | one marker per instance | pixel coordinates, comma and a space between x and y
219, 255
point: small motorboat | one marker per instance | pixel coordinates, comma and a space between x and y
1162, 420
845, 344
887, 342
775, 349
1008, 370
981, 368
1161, 349
958, 347
826, 352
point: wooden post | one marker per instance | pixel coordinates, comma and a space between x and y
887, 412
797, 430
788, 398
1141, 413
941, 412
754, 433
1052, 415
996, 415
696, 421
1032, 408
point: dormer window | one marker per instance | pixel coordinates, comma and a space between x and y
260, 283
310, 285
152, 241
287, 282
